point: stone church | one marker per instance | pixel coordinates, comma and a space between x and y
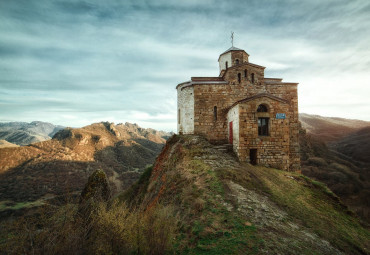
257, 115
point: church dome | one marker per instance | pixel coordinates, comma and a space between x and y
232, 56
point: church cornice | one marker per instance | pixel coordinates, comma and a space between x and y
192, 83
247, 99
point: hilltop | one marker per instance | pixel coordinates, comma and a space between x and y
30, 175
228, 207
23, 133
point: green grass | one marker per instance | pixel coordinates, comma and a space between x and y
315, 206
215, 230
9, 205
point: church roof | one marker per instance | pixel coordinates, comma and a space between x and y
202, 81
233, 49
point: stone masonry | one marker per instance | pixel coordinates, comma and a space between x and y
258, 115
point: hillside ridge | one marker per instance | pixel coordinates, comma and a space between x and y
228, 207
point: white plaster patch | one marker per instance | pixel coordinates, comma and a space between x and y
233, 115
185, 110
223, 59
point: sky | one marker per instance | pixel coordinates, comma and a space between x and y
74, 63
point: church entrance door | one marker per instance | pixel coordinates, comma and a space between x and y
253, 156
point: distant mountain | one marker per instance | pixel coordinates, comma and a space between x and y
23, 133
330, 129
336, 151
4, 143
62, 165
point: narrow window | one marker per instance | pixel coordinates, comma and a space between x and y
178, 116
263, 126
252, 77
239, 77
245, 73
215, 113
262, 108
227, 65
237, 62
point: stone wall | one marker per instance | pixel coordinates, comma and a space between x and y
289, 92
246, 82
240, 55
272, 150
223, 96
206, 98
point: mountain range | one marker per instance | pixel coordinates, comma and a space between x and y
23, 133
40, 171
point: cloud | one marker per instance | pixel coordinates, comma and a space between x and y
81, 61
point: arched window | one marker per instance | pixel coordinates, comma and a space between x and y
227, 64
252, 77
215, 113
239, 77
245, 73
237, 62
262, 108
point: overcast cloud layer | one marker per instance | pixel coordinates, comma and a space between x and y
77, 62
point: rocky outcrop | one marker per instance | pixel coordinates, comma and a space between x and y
96, 191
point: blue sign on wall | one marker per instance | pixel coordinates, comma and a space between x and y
280, 115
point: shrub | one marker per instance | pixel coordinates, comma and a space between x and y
317, 161
111, 230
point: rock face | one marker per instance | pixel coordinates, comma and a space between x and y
62, 165
23, 133
232, 207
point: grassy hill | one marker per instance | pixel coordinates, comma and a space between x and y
196, 200
227, 207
